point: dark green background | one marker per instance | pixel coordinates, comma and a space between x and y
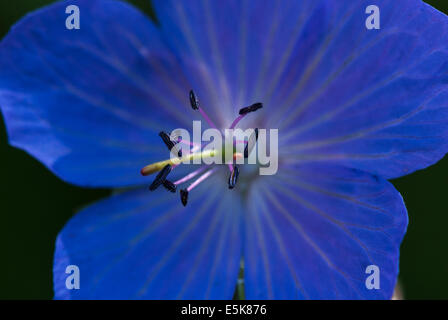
35, 205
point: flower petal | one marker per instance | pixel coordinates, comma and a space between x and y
371, 99
312, 231
139, 245
89, 103
375, 100
243, 43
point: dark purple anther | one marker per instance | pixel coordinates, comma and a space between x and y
168, 142
233, 178
194, 100
251, 108
169, 186
184, 196
160, 178
251, 143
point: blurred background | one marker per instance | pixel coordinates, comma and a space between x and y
35, 204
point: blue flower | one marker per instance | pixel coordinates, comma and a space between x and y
354, 107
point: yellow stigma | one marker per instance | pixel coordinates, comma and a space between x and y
157, 166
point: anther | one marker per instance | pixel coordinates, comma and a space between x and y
168, 142
194, 100
184, 196
251, 143
251, 108
233, 178
160, 178
169, 186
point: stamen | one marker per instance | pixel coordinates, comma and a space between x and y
195, 146
184, 196
169, 186
166, 139
168, 142
166, 166
201, 179
238, 119
191, 175
160, 178
233, 178
194, 101
251, 108
251, 143
244, 111
189, 143
184, 192
236, 156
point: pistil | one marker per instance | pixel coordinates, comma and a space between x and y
166, 166
157, 166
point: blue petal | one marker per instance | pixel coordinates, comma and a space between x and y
375, 100
139, 245
89, 103
312, 230
243, 43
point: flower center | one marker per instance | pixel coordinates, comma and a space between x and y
165, 167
